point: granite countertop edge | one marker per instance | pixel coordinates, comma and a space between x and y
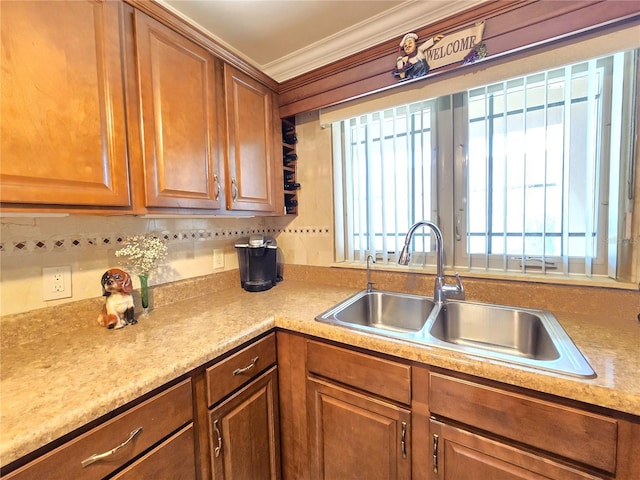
106, 369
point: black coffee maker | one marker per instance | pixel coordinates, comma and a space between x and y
257, 259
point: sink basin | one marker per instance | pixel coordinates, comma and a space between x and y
521, 336
378, 310
505, 330
528, 337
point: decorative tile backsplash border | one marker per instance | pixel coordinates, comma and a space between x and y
306, 230
78, 242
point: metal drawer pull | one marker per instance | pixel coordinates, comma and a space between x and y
435, 453
403, 440
219, 435
239, 371
215, 179
101, 456
234, 189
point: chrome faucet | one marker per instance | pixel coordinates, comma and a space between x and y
441, 289
369, 282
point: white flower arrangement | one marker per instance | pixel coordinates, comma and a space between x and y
143, 252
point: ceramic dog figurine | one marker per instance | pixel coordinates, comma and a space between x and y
118, 308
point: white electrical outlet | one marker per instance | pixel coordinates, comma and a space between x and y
56, 283
218, 258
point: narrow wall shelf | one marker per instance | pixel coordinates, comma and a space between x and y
289, 165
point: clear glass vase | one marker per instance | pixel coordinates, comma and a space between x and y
144, 294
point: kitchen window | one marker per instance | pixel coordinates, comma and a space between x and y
529, 175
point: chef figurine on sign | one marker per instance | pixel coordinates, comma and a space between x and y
412, 61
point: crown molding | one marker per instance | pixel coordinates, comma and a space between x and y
383, 27
203, 30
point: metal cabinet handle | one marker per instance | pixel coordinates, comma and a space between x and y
218, 449
435, 453
403, 440
240, 371
218, 188
234, 189
101, 456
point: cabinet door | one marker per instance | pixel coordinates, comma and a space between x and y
177, 90
62, 134
245, 443
251, 168
460, 454
356, 436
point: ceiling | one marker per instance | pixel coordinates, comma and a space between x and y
286, 38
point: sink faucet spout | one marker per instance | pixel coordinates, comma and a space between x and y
441, 289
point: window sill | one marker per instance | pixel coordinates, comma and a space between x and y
553, 279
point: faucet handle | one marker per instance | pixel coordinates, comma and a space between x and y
459, 287
454, 291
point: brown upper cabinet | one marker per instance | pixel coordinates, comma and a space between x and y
179, 124
63, 131
252, 174
132, 119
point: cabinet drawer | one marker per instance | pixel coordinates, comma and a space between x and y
224, 377
379, 376
173, 458
159, 417
571, 433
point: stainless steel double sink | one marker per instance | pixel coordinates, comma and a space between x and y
527, 337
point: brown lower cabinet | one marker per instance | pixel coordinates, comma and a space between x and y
245, 444
313, 409
166, 436
518, 419
153, 436
358, 408
243, 420
355, 436
369, 415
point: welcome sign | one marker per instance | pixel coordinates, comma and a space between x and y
454, 47
417, 60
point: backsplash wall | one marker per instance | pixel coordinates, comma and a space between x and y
88, 243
